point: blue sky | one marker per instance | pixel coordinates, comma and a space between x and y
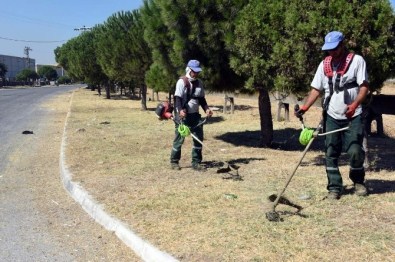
43, 25
51, 22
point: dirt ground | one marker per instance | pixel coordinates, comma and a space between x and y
120, 154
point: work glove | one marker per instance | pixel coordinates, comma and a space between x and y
299, 111
351, 110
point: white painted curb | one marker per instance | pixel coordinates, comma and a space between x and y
142, 248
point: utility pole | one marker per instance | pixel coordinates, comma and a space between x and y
27, 50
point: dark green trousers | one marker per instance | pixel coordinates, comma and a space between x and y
351, 141
192, 120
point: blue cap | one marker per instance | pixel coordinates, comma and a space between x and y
194, 65
332, 40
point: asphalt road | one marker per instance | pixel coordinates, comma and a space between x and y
19, 111
39, 221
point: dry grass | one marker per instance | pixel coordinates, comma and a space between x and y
120, 154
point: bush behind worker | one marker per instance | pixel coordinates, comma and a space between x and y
189, 96
342, 76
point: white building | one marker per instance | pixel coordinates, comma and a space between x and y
16, 64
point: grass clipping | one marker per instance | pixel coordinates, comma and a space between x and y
120, 154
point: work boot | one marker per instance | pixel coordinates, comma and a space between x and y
198, 167
360, 189
332, 195
175, 166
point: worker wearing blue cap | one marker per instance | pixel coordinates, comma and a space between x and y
189, 96
342, 77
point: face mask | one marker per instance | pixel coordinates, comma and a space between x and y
188, 74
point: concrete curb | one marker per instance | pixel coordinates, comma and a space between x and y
142, 248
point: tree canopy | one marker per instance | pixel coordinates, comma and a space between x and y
278, 44
78, 57
47, 72
27, 74
253, 45
240, 43
121, 48
180, 30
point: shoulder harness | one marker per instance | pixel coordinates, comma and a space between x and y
187, 85
341, 70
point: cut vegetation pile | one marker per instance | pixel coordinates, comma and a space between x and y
120, 154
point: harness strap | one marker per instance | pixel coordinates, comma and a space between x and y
343, 67
190, 92
340, 71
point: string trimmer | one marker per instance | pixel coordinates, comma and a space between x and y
164, 112
307, 139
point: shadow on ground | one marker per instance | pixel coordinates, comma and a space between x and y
285, 139
234, 162
377, 186
381, 154
230, 169
380, 149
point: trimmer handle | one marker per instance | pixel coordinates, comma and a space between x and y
202, 122
296, 108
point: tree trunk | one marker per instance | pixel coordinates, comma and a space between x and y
153, 95
265, 114
108, 91
143, 97
99, 89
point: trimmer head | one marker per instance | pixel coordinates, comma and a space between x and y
273, 216
228, 168
232, 170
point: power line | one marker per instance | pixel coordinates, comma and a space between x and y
32, 41
34, 20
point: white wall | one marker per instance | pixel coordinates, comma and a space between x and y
16, 64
